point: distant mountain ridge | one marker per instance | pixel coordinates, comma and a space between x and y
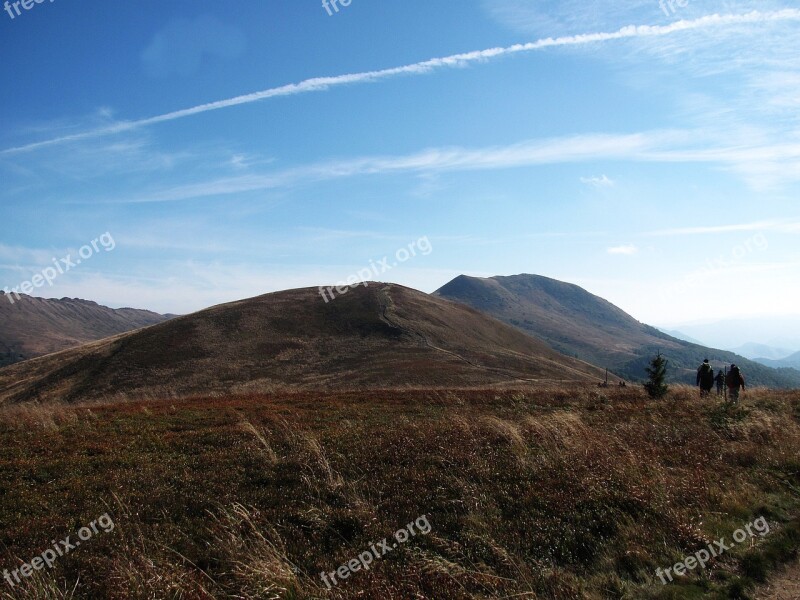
790, 362
578, 323
681, 336
775, 331
380, 336
755, 351
31, 327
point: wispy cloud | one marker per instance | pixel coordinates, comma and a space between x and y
318, 84
182, 45
567, 16
602, 181
626, 250
529, 153
21, 257
653, 146
773, 225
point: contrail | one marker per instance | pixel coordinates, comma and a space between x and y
318, 84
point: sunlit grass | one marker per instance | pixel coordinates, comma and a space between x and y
534, 493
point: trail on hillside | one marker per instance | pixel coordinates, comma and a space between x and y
784, 586
385, 303
386, 306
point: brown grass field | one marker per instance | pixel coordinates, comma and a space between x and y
554, 493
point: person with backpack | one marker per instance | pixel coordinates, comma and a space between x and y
705, 378
720, 381
735, 383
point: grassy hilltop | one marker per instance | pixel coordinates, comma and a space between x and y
530, 493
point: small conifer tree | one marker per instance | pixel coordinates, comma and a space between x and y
657, 374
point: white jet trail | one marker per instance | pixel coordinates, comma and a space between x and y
456, 60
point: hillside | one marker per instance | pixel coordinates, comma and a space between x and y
33, 327
578, 323
520, 493
682, 336
378, 336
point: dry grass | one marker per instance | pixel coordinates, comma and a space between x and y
254, 556
369, 338
531, 493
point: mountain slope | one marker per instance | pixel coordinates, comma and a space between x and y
682, 336
580, 324
31, 327
379, 336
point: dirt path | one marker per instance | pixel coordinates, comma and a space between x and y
386, 305
785, 585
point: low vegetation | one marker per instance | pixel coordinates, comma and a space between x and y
530, 493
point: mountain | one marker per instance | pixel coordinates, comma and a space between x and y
378, 336
583, 325
682, 336
791, 362
31, 327
755, 351
776, 331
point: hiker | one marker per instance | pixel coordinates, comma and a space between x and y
705, 378
720, 381
735, 382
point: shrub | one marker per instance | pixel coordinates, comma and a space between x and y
657, 375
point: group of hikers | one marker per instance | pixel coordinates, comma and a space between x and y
733, 379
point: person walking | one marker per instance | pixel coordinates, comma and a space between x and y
720, 381
735, 383
705, 378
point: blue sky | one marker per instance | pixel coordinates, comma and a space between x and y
648, 153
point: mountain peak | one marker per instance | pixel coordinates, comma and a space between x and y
578, 323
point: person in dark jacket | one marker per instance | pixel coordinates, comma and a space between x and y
735, 383
705, 378
720, 381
